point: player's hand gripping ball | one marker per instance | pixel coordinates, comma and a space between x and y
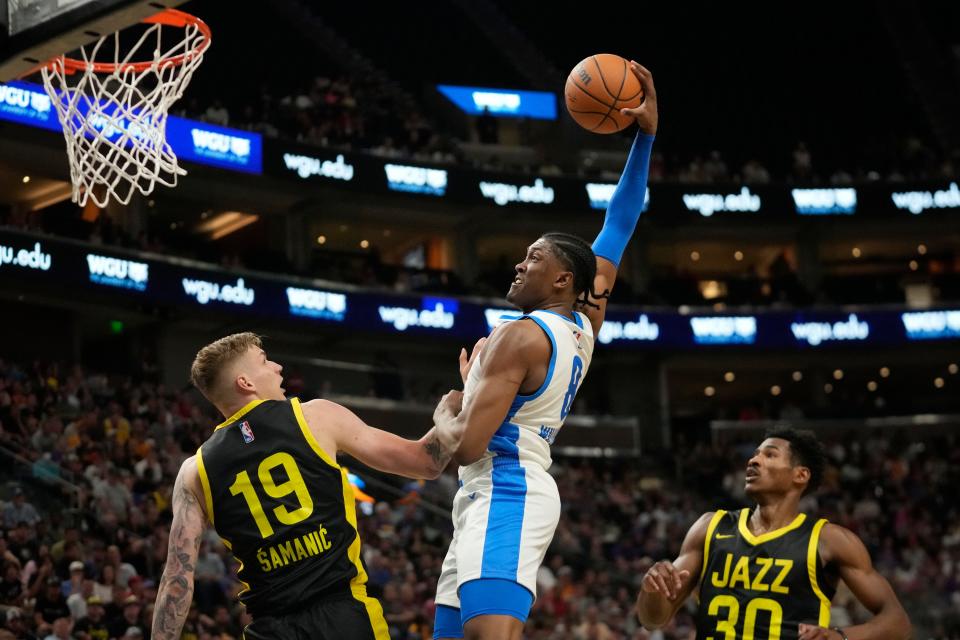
598, 88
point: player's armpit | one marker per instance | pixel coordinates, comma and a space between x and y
603, 283
844, 549
508, 356
176, 586
655, 607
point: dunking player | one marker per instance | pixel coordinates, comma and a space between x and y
770, 571
268, 481
516, 397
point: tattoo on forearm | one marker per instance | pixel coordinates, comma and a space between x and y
176, 586
437, 452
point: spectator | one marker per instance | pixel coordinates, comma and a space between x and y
17, 625
216, 113
129, 617
715, 169
75, 583
802, 163
93, 625
77, 602
11, 587
116, 426
210, 574
124, 570
19, 510
50, 605
103, 588
71, 538
62, 629
755, 173
149, 468
113, 497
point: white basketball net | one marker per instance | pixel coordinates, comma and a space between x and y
114, 120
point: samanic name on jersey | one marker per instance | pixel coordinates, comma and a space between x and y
764, 574
295, 550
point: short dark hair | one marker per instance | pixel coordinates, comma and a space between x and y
577, 256
805, 450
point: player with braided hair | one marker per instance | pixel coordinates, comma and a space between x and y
517, 394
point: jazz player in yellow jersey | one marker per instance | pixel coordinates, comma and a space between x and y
268, 482
768, 573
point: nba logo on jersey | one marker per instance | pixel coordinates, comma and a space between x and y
246, 431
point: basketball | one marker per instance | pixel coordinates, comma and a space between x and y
597, 88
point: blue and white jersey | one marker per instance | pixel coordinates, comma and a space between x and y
534, 420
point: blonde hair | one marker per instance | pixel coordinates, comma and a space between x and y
210, 361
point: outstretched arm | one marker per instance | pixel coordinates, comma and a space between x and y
337, 428
176, 585
627, 201
667, 585
842, 548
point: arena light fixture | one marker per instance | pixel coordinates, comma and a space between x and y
41, 194
223, 224
712, 289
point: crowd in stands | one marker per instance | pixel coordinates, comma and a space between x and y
82, 560
337, 114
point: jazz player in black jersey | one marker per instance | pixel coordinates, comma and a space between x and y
769, 573
268, 482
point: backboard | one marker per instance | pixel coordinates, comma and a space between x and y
33, 31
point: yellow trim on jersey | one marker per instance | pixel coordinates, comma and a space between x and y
246, 586
770, 535
714, 521
247, 407
812, 572
305, 428
205, 483
208, 498
358, 585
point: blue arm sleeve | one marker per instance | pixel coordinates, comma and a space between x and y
627, 202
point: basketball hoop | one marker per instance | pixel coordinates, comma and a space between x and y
114, 112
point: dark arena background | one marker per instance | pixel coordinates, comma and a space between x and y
362, 179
